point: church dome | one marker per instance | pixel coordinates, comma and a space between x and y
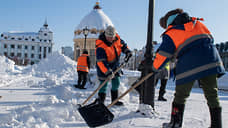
96, 21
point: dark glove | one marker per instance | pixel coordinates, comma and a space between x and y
128, 56
110, 74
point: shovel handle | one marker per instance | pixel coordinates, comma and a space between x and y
100, 86
130, 89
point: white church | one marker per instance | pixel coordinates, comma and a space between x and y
27, 47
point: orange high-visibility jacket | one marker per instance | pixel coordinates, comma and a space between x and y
110, 52
107, 54
82, 64
191, 45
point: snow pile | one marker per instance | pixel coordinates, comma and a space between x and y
7, 66
54, 101
56, 68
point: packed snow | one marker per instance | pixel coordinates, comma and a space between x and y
43, 96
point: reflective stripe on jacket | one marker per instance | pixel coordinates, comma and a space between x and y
191, 45
82, 64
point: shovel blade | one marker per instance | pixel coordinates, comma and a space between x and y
96, 114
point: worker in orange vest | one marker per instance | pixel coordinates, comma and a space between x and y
109, 47
189, 43
83, 67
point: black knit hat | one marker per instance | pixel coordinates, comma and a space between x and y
85, 52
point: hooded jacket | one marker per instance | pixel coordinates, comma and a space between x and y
191, 46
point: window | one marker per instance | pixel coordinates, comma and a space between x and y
5, 45
12, 46
26, 47
5, 37
12, 38
18, 54
45, 40
2, 35
40, 49
32, 55
26, 55
12, 54
44, 55
33, 39
39, 56
26, 38
49, 49
49, 40
19, 46
33, 47
5, 54
45, 34
45, 49
19, 38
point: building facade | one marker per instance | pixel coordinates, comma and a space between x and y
27, 47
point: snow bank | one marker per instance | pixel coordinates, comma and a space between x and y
7, 66
56, 68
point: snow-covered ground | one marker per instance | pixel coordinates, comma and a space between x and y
43, 96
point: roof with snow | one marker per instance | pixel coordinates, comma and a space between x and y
16, 33
96, 21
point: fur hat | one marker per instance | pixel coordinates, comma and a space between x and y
163, 20
110, 31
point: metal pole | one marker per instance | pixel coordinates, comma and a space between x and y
149, 46
85, 42
135, 59
148, 88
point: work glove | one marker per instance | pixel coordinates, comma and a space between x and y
128, 56
110, 74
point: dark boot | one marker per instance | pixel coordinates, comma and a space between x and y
161, 98
101, 97
161, 94
79, 86
176, 116
216, 117
162, 90
114, 95
82, 87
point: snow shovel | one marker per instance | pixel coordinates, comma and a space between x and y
97, 114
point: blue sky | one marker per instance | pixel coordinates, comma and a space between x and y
128, 16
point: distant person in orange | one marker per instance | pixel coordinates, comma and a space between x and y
188, 42
83, 66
